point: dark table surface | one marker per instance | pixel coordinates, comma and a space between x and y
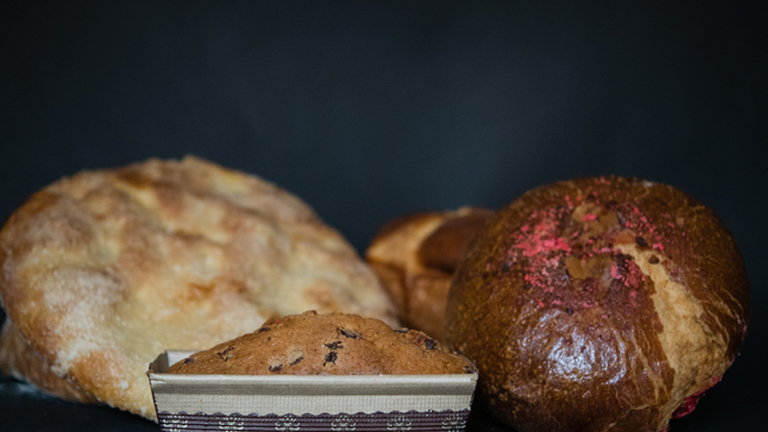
369, 110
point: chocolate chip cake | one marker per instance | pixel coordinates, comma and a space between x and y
331, 344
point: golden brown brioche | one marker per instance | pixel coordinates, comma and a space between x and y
333, 344
599, 304
415, 257
103, 270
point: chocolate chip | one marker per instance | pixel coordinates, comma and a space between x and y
653, 259
641, 242
189, 360
430, 344
350, 333
275, 368
297, 361
225, 355
263, 329
334, 345
569, 311
505, 268
330, 358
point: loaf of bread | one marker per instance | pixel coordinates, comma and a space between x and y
101, 271
331, 344
599, 304
415, 257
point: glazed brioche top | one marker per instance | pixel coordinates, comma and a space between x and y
599, 302
333, 344
103, 270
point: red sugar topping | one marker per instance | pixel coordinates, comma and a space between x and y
614, 272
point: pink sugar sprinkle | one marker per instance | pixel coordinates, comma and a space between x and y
667, 215
588, 304
636, 210
659, 246
556, 302
540, 303
588, 217
633, 294
525, 228
614, 272
671, 224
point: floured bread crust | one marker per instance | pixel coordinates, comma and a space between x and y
20, 360
330, 344
599, 304
415, 257
103, 270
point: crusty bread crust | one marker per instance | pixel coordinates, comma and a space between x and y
415, 257
599, 304
103, 270
329, 344
20, 360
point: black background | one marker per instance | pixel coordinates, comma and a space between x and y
368, 110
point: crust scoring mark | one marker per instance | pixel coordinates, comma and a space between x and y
685, 337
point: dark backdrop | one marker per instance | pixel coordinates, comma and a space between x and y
368, 110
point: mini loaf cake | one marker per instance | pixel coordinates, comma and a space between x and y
599, 304
333, 344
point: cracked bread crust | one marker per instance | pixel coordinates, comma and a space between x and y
103, 270
599, 304
331, 344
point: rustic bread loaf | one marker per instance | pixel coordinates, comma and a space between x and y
103, 270
415, 257
332, 344
599, 304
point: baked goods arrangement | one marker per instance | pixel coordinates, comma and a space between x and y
329, 344
103, 270
599, 304
415, 257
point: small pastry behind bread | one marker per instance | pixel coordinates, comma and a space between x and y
415, 257
331, 344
